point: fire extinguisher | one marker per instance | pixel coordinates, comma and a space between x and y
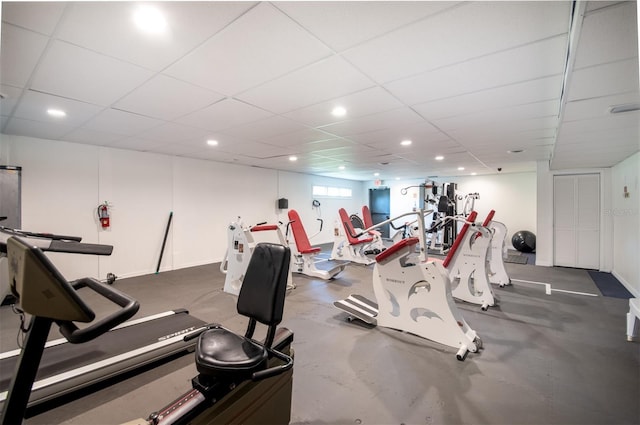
103, 215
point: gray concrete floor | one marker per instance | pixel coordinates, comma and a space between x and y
561, 358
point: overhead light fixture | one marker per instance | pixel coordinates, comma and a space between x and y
439, 158
474, 174
150, 20
212, 142
405, 142
293, 158
460, 168
376, 174
341, 167
58, 113
629, 107
339, 111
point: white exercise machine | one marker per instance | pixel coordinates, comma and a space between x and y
242, 241
348, 244
466, 263
414, 295
304, 257
498, 251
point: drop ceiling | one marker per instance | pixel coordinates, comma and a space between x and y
484, 84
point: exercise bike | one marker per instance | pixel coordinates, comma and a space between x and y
413, 295
234, 371
241, 241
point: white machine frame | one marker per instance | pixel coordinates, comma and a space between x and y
304, 256
347, 245
240, 247
497, 254
467, 266
414, 295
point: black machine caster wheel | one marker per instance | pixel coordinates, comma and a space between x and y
478, 343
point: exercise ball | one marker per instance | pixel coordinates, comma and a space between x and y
524, 241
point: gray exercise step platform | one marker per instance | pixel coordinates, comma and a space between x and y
360, 308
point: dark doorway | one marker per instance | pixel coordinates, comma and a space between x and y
380, 206
10, 198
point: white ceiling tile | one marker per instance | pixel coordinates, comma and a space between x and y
166, 98
521, 93
39, 129
81, 74
178, 149
224, 114
496, 117
41, 17
10, 97
603, 80
91, 137
369, 101
256, 149
120, 122
472, 30
297, 137
393, 118
34, 106
259, 46
318, 146
418, 133
611, 122
536, 60
137, 144
108, 28
21, 50
611, 35
596, 107
265, 128
345, 24
316, 83
175, 133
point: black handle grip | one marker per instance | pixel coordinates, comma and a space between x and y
276, 370
348, 228
129, 308
321, 223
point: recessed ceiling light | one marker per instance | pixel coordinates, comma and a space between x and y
341, 167
460, 168
474, 174
339, 111
293, 158
58, 113
439, 158
212, 142
150, 20
405, 142
397, 178
376, 174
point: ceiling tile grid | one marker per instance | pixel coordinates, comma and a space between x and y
467, 80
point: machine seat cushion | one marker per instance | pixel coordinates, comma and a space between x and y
222, 353
312, 250
409, 242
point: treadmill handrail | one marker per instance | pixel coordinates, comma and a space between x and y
129, 308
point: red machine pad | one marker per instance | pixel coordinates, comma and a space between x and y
396, 247
489, 218
458, 241
262, 227
348, 227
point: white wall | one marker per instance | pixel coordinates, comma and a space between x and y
63, 183
512, 196
625, 214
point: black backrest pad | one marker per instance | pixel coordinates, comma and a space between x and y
265, 284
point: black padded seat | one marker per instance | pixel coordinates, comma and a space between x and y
222, 353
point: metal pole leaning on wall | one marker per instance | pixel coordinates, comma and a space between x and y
164, 241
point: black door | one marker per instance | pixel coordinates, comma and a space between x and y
380, 206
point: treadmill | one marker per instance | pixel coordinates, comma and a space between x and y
67, 367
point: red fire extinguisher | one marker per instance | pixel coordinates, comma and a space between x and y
103, 215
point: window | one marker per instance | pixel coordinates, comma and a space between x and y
332, 192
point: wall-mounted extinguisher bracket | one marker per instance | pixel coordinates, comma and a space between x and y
103, 215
